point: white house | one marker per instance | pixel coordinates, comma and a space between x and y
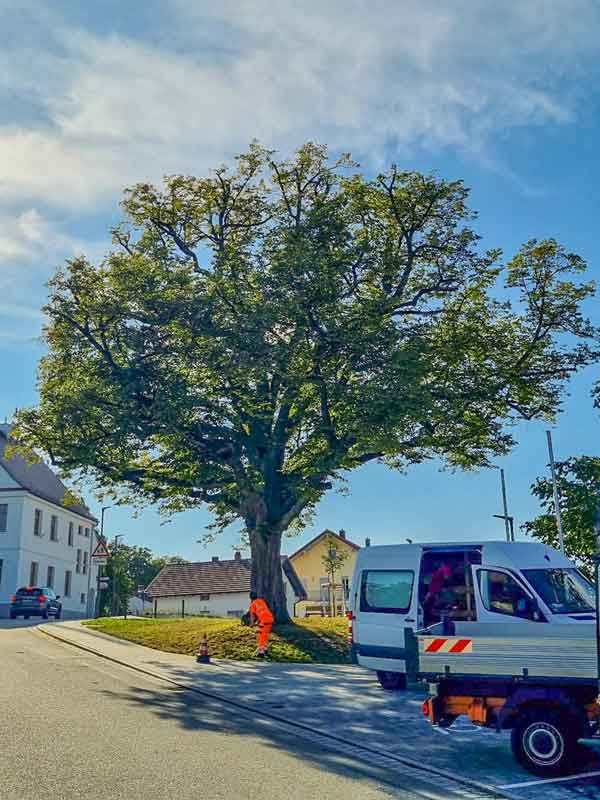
43, 541
215, 588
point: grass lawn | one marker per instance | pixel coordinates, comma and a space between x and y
314, 640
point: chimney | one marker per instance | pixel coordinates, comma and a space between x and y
214, 559
367, 542
342, 534
237, 555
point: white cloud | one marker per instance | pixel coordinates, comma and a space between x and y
31, 246
113, 108
29, 236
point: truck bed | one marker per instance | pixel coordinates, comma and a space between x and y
515, 650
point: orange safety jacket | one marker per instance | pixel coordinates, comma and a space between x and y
261, 611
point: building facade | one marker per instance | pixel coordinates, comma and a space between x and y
216, 588
43, 541
308, 565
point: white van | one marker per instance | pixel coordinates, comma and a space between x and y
413, 586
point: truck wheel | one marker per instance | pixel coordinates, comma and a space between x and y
545, 742
392, 680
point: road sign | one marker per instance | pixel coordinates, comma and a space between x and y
100, 552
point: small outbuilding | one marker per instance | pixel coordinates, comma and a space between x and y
217, 588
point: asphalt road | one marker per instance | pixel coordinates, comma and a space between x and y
77, 726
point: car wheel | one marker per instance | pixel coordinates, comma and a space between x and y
45, 614
545, 742
25, 616
13, 615
393, 681
58, 613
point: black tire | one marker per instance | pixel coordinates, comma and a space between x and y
545, 742
13, 615
58, 613
392, 681
45, 614
25, 616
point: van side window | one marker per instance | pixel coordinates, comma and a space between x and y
386, 591
502, 594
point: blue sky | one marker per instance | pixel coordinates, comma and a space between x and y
96, 96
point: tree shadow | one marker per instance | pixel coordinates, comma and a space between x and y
196, 713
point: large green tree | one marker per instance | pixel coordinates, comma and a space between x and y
257, 332
578, 483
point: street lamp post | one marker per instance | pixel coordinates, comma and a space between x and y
114, 575
597, 586
103, 510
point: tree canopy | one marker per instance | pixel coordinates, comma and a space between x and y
578, 482
256, 333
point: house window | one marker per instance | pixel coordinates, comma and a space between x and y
80, 530
71, 528
78, 563
87, 532
83, 598
54, 528
3, 517
68, 576
346, 587
37, 523
85, 558
1, 565
33, 573
50, 578
203, 597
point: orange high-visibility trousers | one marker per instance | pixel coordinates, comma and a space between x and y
264, 631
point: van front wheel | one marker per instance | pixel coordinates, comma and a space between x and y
393, 681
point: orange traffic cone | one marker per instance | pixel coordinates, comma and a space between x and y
202, 656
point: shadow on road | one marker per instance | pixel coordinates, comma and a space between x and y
195, 713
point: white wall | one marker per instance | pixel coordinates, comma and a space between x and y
19, 547
218, 605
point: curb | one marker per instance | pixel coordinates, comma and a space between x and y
487, 789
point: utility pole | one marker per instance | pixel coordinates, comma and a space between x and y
508, 520
559, 525
114, 575
597, 586
505, 504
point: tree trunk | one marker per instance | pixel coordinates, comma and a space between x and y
267, 574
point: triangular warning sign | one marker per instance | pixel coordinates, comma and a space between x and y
100, 551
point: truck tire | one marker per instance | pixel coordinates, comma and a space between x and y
544, 742
393, 681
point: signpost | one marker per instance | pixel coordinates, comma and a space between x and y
100, 556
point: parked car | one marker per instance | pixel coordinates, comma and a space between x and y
34, 601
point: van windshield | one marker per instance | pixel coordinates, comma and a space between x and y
565, 591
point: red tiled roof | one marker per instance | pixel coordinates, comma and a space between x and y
211, 577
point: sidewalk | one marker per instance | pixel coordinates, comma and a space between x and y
339, 706
257, 684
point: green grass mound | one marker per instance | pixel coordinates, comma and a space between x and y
314, 640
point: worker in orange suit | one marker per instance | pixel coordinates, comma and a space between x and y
261, 616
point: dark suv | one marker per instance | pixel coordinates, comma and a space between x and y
33, 601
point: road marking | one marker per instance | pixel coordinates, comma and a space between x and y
576, 777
